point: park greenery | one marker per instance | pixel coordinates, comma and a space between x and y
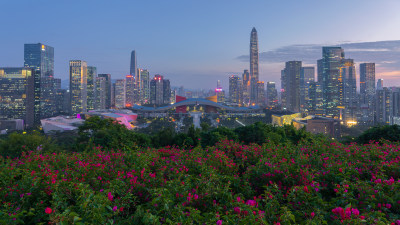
255, 174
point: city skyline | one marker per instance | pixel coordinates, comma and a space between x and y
172, 43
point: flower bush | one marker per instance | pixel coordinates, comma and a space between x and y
229, 183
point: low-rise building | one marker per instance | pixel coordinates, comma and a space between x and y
123, 116
60, 124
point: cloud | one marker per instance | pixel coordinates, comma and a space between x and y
383, 53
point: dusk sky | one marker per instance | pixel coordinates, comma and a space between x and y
196, 43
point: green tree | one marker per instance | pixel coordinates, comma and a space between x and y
109, 134
16, 143
387, 132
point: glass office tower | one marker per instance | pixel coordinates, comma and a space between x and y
40, 58
17, 94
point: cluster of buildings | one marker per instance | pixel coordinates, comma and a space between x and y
247, 90
92, 91
31, 93
332, 95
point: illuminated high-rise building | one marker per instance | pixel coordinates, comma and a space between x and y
133, 68
291, 85
367, 92
383, 105
283, 89
253, 65
329, 77
100, 93
17, 94
272, 95
48, 93
219, 92
144, 85
130, 90
348, 91
307, 75
91, 87
260, 93
120, 93
367, 81
40, 58
246, 87
78, 86
235, 90
108, 89
160, 90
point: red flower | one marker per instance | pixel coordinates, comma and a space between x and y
48, 210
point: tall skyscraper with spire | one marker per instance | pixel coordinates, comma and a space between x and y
253, 65
133, 68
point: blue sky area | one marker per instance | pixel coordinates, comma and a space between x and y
195, 43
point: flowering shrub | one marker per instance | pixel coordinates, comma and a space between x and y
229, 183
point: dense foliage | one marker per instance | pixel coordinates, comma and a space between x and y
231, 183
391, 133
262, 175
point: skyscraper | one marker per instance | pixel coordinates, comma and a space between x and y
78, 86
160, 90
91, 86
108, 89
17, 94
291, 83
219, 92
272, 95
260, 93
329, 76
100, 93
120, 93
383, 102
246, 87
167, 92
379, 85
144, 85
348, 91
235, 89
40, 58
367, 80
133, 69
367, 92
253, 65
130, 90
307, 75
48, 95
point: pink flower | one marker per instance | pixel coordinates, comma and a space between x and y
355, 212
237, 210
388, 206
110, 196
115, 208
219, 222
48, 210
348, 212
251, 202
340, 170
312, 214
